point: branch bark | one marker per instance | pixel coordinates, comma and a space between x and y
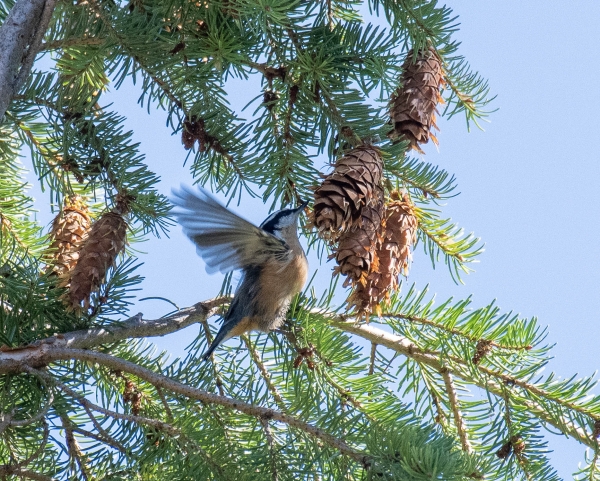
21, 36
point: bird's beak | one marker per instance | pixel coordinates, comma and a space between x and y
301, 207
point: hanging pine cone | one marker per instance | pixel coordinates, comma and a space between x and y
69, 229
396, 238
99, 252
355, 253
413, 105
353, 184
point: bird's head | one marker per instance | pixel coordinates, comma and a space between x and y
283, 224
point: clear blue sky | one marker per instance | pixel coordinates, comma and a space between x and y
529, 184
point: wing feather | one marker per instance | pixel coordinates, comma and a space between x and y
223, 239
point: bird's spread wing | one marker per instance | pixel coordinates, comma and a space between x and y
224, 240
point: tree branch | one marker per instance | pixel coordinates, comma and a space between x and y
24, 473
48, 353
458, 419
494, 382
20, 37
266, 375
66, 346
136, 327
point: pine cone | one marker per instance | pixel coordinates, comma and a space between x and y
353, 184
69, 229
105, 241
355, 253
413, 105
393, 255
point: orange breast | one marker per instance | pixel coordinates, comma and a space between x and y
279, 284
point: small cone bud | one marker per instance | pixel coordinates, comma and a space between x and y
396, 238
482, 349
413, 105
505, 450
105, 241
69, 228
518, 444
353, 184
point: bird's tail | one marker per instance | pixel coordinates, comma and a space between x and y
221, 336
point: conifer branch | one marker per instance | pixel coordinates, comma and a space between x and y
215, 364
49, 355
214, 143
266, 375
344, 394
110, 441
271, 442
136, 327
461, 369
72, 42
456, 411
8, 470
11, 468
73, 448
103, 434
453, 331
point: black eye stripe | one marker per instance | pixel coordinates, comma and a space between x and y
270, 223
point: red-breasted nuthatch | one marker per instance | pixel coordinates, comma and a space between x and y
273, 264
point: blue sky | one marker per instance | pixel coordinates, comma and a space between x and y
529, 184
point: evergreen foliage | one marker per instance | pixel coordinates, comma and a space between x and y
82, 396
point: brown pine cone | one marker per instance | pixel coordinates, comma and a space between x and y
353, 184
393, 254
105, 241
413, 105
355, 253
69, 228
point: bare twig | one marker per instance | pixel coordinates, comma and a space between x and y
458, 419
137, 327
372, 358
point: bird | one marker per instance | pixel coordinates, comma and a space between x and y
272, 262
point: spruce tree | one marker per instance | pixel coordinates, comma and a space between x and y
370, 388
